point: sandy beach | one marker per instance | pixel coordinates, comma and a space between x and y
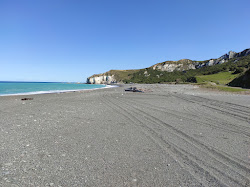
171, 135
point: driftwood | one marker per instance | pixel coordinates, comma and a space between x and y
132, 89
26, 99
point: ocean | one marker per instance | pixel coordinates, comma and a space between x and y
27, 88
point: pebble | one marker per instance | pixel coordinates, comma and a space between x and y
8, 164
6, 172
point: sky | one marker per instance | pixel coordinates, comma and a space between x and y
70, 40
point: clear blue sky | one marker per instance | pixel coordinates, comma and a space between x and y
69, 40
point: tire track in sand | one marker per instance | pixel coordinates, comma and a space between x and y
194, 119
215, 156
212, 121
199, 173
138, 109
239, 111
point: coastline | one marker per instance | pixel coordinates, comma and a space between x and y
55, 91
170, 135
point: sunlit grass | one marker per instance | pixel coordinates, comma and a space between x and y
221, 78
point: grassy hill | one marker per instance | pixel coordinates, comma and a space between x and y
120, 75
221, 78
220, 74
225, 70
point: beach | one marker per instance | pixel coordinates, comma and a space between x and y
170, 135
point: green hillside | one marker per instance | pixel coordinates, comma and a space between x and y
221, 78
220, 74
122, 74
231, 69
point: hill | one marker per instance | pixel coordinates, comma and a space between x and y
231, 65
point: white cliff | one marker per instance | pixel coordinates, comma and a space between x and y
101, 79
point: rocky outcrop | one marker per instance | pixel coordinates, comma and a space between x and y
170, 66
186, 64
101, 79
231, 54
244, 53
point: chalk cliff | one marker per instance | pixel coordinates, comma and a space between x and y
110, 77
101, 79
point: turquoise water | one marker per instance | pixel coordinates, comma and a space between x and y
9, 88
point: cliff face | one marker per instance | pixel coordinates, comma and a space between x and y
110, 77
186, 64
170, 66
101, 79
114, 76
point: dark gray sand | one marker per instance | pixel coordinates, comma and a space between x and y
173, 135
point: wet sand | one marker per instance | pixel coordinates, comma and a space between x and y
171, 135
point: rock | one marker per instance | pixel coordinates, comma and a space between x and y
232, 54
146, 73
244, 53
167, 67
222, 61
210, 63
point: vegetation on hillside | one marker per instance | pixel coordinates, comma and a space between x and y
234, 67
221, 78
242, 81
122, 74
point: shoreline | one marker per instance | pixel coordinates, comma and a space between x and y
200, 89
55, 91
